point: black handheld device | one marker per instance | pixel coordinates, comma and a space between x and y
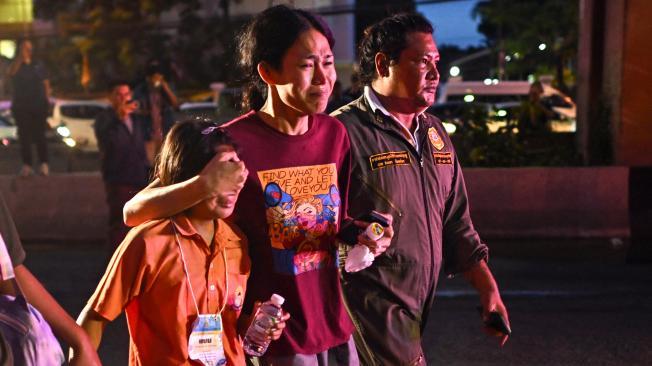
496, 321
349, 232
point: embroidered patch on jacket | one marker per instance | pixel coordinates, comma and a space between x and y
435, 140
443, 157
384, 160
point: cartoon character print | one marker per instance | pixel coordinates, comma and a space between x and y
302, 226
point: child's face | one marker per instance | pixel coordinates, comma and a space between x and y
222, 205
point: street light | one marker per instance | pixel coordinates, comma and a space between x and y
542, 46
454, 71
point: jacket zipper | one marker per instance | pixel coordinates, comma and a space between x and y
425, 207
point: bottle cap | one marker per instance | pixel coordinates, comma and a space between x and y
374, 231
277, 300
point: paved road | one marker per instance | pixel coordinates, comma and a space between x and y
62, 159
568, 312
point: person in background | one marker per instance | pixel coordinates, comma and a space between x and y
181, 280
157, 104
125, 168
354, 91
534, 113
60, 322
295, 197
404, 156
337, 99
30, 105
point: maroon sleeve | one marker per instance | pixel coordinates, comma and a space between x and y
461, 243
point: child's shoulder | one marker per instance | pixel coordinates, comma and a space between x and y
150, 231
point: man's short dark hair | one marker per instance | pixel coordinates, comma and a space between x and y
152, 67
388, 36
113, 84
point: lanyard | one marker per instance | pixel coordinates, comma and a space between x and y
185, 270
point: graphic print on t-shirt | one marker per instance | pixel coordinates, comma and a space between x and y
302, 206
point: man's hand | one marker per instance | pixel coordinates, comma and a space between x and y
481, 278
495, 304
224, 174
377, 247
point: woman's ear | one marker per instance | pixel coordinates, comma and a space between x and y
267, 73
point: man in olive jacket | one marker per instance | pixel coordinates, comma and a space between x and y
403, 163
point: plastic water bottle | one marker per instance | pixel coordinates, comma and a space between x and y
360, 257
264, 320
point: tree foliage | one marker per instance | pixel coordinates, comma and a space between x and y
119, 36
519, 27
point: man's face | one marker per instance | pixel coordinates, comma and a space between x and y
307, 74
121, 95
155, 79
26, 50
415, 76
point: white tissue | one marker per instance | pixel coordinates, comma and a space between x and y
358, 258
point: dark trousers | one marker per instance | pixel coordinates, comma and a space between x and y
31, 131
116, 197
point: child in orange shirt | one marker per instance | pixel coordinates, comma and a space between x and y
181, 280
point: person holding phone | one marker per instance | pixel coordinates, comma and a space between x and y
157, 103
404, 163
125, 168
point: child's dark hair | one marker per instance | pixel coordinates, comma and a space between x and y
267, 38
188, 147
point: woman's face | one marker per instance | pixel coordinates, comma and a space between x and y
306, 215
307, 74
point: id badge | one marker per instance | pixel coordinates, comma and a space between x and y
205, 342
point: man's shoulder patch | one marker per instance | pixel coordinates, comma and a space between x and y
435, 139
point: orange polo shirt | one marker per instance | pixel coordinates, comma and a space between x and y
145, 277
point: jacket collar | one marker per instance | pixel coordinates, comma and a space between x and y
184, 228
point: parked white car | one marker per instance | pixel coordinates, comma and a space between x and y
506, 95
74, 120
8, 133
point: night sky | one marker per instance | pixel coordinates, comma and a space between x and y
453, 22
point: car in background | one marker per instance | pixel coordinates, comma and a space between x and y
226, 109
8, 130
197, 110
73, 120
458, 115
504, 99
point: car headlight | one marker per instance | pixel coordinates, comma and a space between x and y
70, 142
63, 131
